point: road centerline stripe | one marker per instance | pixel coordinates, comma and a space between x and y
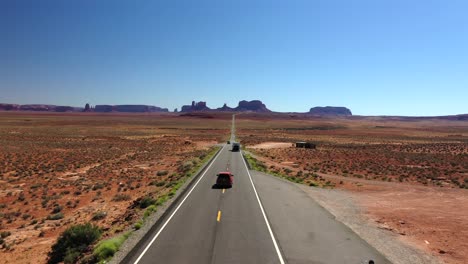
219, 216
224, 190
175, 211
264, 215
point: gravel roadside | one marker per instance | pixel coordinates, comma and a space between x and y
342, 205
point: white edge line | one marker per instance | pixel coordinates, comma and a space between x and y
264, 215
175, 211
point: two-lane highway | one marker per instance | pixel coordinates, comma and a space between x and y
215, 225
233, 226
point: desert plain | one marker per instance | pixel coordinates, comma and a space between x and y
409, 177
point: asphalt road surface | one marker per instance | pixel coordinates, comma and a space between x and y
261, 219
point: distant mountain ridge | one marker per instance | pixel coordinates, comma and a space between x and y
39, 108
254, 106
128, 109
87, 108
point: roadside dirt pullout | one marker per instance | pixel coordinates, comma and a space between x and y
346, 209
271, 145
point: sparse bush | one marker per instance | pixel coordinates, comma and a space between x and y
26, 216
158, 184
21, 197
121, 197
72, 242
4, 234
162, 173
56, 216
99, 215
57, 209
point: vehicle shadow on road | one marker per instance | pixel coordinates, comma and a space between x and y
215, 186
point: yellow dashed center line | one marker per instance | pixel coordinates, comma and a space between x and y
224, 190
219, 216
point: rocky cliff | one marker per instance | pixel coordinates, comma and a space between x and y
225, 108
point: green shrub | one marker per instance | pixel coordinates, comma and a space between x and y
161, 200
107, 248
138, 225
73, 242
151, 209
146, 201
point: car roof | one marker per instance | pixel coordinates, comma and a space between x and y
224, 172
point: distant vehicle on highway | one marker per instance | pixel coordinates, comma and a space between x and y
225, 179
235, 146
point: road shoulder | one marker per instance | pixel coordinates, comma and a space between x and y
306, 232
341, 206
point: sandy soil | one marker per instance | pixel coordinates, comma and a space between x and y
430, 218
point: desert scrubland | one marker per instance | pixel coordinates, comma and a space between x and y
409, 177
60, 170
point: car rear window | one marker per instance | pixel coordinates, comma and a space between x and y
223, 176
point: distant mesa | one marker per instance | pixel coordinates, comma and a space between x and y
128, 109
244, 106
195, 106
38, 108
64, 109
87, 108
9, 107
253, 106
330, 111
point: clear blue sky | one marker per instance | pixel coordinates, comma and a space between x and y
377, 57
